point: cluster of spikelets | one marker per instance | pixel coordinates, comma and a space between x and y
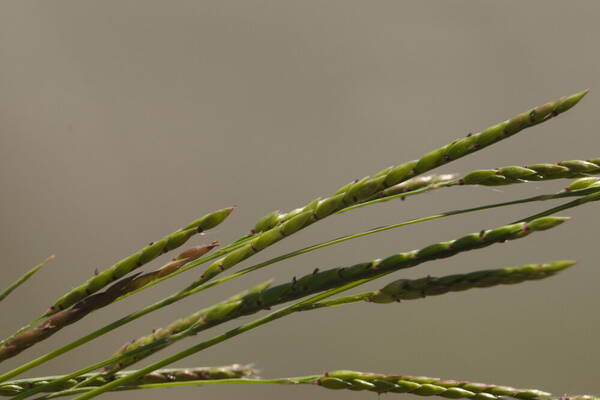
313, 290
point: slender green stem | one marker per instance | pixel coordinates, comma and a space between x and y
15, 285
594, 196
4, 294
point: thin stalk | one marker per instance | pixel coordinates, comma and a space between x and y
4, 294
594, 196
16, 284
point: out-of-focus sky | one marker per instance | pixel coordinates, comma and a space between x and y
121, 121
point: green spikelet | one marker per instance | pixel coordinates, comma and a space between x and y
422, 386
4, 293
136, 260
535, 172
267, 222
583, 183
211, 220
417, 183
409, 289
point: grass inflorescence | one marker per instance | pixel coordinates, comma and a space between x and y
315, 289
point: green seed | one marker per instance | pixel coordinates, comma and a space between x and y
330, 205
514, 172
544, 223
428, 389
211, 220
479, 176
296, 223
382, 386
334, 383
579, 166
431, 160
400, 173
583, 183
267, 222
360, 384
136, 260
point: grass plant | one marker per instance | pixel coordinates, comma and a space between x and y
311, 291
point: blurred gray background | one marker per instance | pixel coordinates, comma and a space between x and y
123, 120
